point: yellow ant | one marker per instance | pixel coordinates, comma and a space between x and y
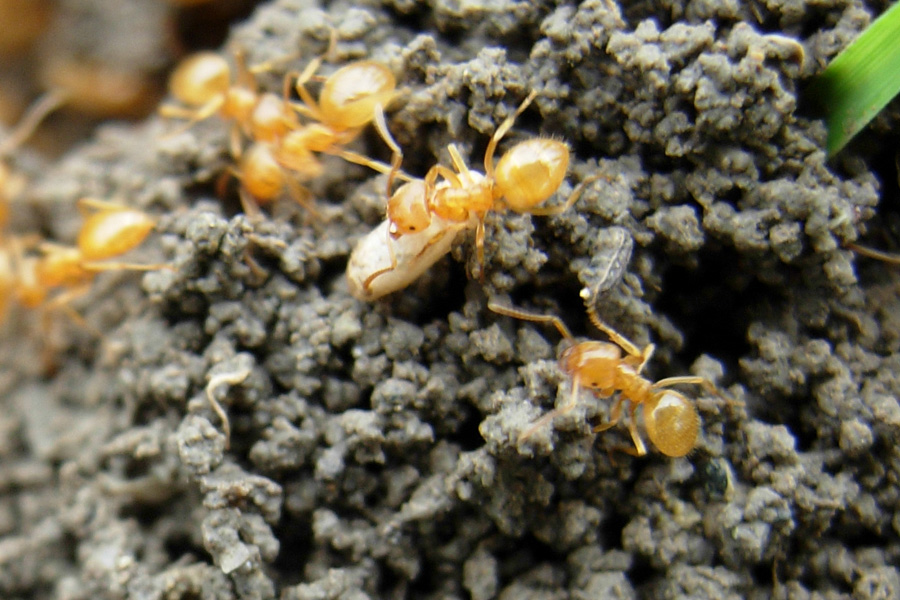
203, 84
350, 98
525, 176
670, 419
111, 230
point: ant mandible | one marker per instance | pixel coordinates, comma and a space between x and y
671, 420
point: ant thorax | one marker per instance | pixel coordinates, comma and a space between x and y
457, 200
592, 363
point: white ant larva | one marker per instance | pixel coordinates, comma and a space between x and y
381, 264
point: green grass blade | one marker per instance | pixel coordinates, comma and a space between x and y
860, 81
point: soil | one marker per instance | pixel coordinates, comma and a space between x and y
376, 449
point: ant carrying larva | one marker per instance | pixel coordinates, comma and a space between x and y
425, 215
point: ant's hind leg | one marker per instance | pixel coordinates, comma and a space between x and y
193, 116
703, 382
518, 313
639, 448
572, 199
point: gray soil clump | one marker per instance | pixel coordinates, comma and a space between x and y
376, 450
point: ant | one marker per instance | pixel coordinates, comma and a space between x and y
671, 420
351, 97
109, 230
203, 84
524, 177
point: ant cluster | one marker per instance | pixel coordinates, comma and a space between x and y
424, 216
277, 143
281, 155
40, 274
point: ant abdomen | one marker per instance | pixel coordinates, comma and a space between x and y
672, 422
530, 172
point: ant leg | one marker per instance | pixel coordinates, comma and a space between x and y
234, 142
393, 170
708, 385
479, 249
32, 118
271, 64
705, 383
431, 179
243, 76
122, 266
331, 51
572, 199
458, 162
501, 131
309, 107
547, 418
365, 161
231, 379
614, 415
639, 448
887, 257
249, 204
518, 313
626, 344
193, 116
396, 151
301, 195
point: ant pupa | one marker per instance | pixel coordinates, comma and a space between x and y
381, 264
670, 419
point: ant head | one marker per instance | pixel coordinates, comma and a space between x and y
592, 363
530, 172
672, 422
406, 209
